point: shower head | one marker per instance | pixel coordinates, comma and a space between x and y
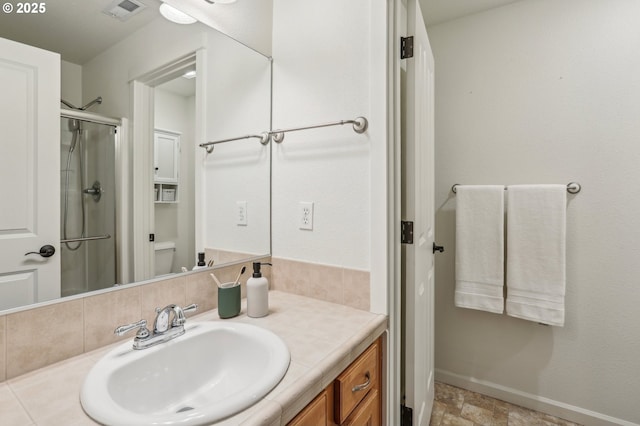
97, 100
74, 127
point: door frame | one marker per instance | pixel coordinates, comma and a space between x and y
397, 20
397, 27
142, 95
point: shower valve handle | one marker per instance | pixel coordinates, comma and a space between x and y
45, 251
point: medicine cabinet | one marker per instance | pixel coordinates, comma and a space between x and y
166, 160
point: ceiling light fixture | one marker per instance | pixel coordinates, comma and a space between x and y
189, 74
175, 15
220, 1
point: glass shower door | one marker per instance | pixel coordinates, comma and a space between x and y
87, 203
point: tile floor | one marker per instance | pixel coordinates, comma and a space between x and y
459, 407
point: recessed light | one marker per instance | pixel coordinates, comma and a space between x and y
189, 74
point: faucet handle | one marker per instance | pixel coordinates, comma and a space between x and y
140, 325
179, 318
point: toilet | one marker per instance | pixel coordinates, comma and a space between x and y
164, 257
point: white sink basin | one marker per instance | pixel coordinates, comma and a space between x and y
213, 371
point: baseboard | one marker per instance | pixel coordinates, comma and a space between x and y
533, 402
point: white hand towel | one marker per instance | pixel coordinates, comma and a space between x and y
536, 247
480, 247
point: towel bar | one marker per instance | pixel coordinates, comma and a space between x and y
572, 187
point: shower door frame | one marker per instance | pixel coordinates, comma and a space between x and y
121, 177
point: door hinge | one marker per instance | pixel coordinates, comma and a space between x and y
406, 416
406, 232
152, 237
406, 47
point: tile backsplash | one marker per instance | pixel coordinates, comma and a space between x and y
345, 286
34, 338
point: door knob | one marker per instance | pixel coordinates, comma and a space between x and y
45, 251
437, 248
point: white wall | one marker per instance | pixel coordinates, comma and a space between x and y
176, 221
322, 74
157, 44
71, 83
547, 91
238, 103
248, 21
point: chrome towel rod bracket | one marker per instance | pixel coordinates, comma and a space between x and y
572, 187
264, 139
360, 125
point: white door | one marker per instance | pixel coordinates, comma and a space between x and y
29, 174
418, 206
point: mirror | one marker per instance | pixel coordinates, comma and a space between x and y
216, 202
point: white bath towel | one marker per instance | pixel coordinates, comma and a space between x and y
536, 235
480, 247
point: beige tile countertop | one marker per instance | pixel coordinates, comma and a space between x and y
323, 338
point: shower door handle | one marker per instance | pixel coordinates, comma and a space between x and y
45, 251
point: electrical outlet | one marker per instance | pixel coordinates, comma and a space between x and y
241, 220
306, 215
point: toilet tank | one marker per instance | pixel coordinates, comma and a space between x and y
165, 251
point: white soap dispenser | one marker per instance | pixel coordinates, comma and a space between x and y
257, 293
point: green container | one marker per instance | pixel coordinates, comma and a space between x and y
228, 300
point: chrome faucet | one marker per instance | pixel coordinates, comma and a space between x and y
163, 329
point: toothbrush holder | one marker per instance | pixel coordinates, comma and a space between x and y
228, 300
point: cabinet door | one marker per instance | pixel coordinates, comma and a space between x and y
367, 413
166, 155
314, 414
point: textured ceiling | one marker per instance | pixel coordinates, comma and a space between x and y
77, 29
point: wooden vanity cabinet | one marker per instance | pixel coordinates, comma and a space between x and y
352, 399
314, 414
367, 413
